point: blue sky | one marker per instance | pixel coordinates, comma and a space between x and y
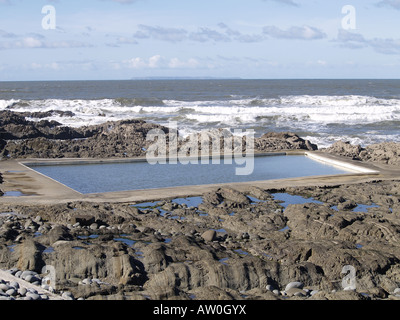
269, 39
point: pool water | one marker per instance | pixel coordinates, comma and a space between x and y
110, 177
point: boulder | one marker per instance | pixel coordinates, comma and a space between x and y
209, 235
345, 149
29, 256
273, 141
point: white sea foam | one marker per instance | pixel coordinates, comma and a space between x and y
299, 113
4, 104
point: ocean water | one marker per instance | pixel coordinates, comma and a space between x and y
323, 111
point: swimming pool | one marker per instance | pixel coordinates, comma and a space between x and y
111, 176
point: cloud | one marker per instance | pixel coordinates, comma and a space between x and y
121, 1
203, 34
352, 40
140, 63
238, 36
53, 66
176, 63
38, 42
286, 2
122, 41
389, 3
223, 33
5, 34
207, 34
161, 33
301, 33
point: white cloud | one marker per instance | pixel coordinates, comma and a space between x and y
30, 42
52, 66
158, 61
176, 63
154, 61
140, 63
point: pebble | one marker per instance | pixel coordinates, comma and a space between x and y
34, 296
294, 284
314, 292
11, 290
22, 291
269, 287
4, 287
68, 296
209, 235
349, 288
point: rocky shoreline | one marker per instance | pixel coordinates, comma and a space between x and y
273, 244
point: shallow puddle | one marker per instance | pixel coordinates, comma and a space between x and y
190, 201
288, 199
223, 261
241, 252
93, 236
128, 242
48, 250
14, 194
146, 205
255, 200
364, 208
360, 207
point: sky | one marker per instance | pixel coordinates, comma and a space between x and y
255, 39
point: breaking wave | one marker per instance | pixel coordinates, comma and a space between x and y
322, 115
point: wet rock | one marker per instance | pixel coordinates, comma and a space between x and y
272, 141
233, 198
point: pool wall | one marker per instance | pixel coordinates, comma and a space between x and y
341, 164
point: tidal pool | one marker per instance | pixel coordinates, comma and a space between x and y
109, 177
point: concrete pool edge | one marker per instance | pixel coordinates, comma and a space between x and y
42, 189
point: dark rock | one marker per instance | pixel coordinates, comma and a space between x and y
83, 220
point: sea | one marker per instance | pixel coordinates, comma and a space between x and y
323, 111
